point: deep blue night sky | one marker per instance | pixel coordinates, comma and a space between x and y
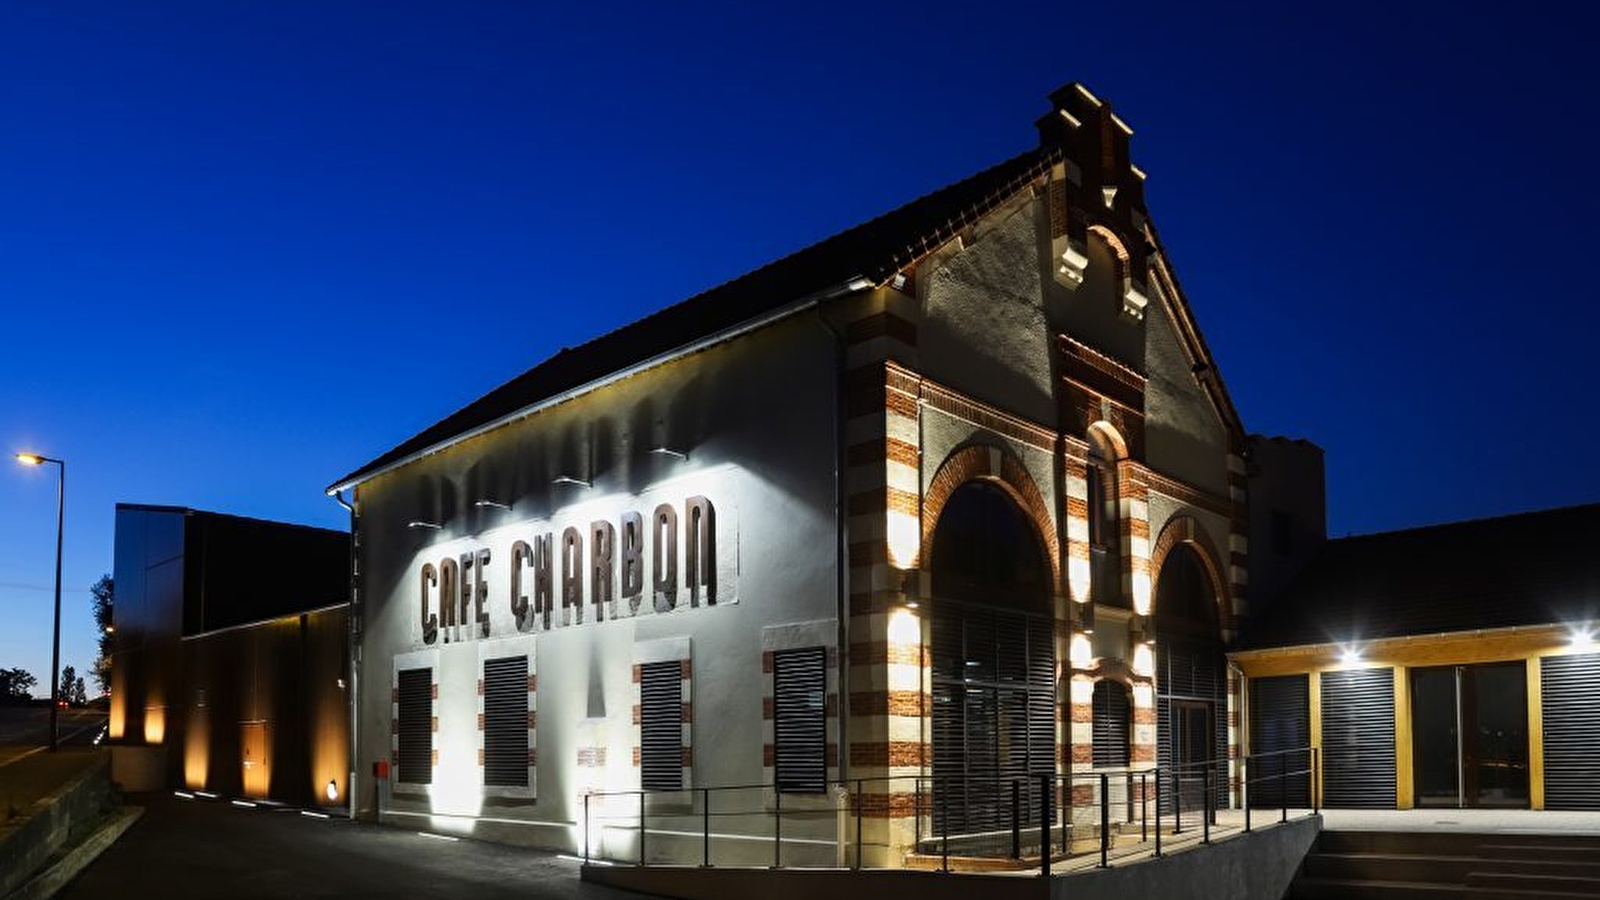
246, 247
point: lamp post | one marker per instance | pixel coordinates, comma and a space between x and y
34, 459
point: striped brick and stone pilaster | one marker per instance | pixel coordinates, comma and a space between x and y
886, 732
1133, 517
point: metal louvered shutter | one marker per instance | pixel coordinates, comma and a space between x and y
1280, 720
1190, 671
800, 723
416, 726
661, 726
1113, 724
505, 721
1358, 763
1571, 701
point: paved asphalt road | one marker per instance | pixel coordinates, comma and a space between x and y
192, 849
25, 728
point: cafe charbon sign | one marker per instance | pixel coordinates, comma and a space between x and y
643, 561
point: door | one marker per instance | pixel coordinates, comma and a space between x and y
253, 754
1192, 746
1470, 735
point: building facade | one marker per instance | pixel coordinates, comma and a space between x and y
1450, 666
229, 656
951, 499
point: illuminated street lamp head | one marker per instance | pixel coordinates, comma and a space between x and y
30, 459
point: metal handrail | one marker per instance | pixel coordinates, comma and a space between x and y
932, 795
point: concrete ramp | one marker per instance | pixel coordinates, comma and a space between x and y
1258, 865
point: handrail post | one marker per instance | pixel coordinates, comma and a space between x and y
1244, 788
1044, 825
777, 827
1315, 788
1016, 819
641, 828
916, 811
1105, 820
1127, 796
944, 803
586, 829
1205, 803
1283, 784
1157, 780
860, 797
705, 827
1177, 803
1144, 808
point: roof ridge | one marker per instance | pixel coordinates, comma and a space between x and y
1463, 523
918, 226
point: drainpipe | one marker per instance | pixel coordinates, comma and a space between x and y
354, 696
841, 547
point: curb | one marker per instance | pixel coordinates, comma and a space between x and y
45, 884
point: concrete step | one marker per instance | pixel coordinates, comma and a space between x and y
1349, 889
1389, 867
1542, 849
1570, 885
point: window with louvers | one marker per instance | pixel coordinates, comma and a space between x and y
416, 726
661, 726
1113, 724
505, 722
800, 687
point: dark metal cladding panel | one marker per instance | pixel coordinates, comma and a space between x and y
1280, 720
415, 764
1113, 724
661, 726
1358, 761
1571, 698
800, 723
505, 721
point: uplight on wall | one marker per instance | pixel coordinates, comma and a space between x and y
904, 539
1351, 656
1141, 593
332, 791
905, 628
1080, 653
1581, 641
1144, 660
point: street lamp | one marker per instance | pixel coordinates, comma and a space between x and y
34, 459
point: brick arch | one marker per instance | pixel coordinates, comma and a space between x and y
983, 462
1112, 436
1119, 251
1112, 669
1183, 529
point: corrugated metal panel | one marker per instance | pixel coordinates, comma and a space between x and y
1358, 762
505, 721
416, 726
661, 726
1571, 691
1113, 724
800, 722
1280, 720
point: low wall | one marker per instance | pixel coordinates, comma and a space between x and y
53, 822
1255, 866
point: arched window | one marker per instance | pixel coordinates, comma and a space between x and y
1105, 533
1113, 725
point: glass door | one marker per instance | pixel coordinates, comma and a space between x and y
1469, 735
1494, 716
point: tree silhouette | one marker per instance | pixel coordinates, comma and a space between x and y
103, 591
